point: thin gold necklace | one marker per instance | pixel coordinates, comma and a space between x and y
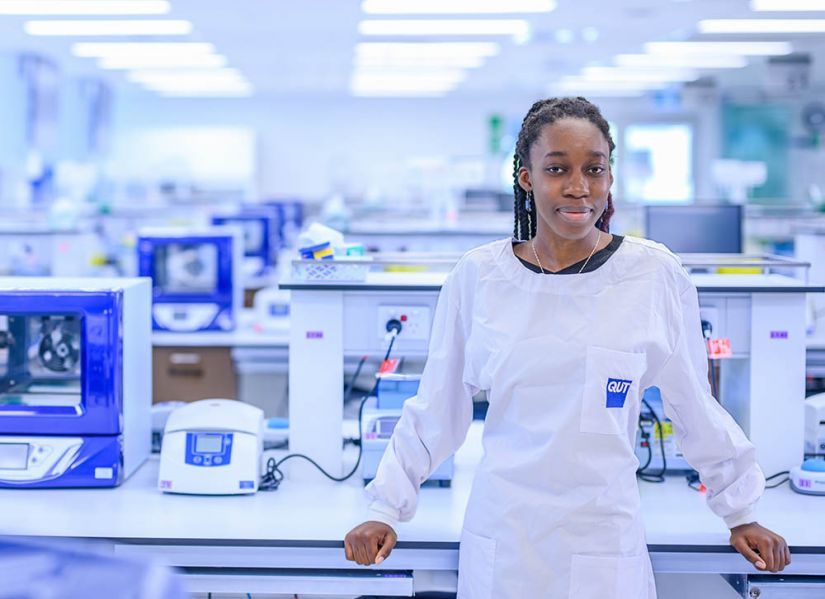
536, 254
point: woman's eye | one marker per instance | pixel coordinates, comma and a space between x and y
597, 170
555, 170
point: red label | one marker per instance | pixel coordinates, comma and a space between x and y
719, 348
389, 365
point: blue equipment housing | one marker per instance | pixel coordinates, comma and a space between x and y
196, 278
259, 236
75, 381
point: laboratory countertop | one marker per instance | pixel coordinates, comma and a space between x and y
432, 281
251, 332
321, 513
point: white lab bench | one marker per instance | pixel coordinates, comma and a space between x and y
291, 540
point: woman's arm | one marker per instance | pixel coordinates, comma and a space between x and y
712, 441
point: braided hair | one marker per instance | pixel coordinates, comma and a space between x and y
543, 113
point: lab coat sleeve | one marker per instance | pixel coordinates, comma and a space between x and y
434, 423
712, 442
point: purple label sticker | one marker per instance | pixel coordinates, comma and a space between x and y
315, 334
166, 484
804, 483
779, 334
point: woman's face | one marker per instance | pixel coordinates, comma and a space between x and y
569, 176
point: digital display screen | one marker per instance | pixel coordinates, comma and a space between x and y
209, 443
14, 456
186, 268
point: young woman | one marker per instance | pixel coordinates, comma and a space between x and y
563, 326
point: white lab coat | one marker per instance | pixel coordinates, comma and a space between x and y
554, 508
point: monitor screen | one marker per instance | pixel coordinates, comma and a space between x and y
699, 229
186, 268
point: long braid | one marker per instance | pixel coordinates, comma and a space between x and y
543, 113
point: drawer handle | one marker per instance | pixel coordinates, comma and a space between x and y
180, 359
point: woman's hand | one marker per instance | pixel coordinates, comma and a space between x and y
370, 543
765, 549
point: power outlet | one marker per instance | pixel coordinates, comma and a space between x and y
415, 321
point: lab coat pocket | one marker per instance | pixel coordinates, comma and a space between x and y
607, 577
611, 390
476, 558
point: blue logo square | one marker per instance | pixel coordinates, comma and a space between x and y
617, 392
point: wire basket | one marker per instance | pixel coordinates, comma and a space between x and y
329, 270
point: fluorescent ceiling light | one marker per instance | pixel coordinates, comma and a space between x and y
84, 7
190, 77
517, 27
206, 61
200, 93
136, 49
383, 75
404, 62
429, 49
788, 5
398, 93
762, 26
743, 48
104, 27
702, 61
400, 7
577, 84
637, 75
404, 81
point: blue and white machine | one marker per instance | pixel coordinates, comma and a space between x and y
378, 420
212, 447
258, 226
75, 380
196, 277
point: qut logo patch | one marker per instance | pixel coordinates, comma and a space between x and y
617, 392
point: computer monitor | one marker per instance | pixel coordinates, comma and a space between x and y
698, 228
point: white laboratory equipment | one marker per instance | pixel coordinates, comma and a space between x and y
379, 416
75, 385
212, 447
815, 425
196, 275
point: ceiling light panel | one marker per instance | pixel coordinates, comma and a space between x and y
436, 27
788, 5
742, 48
701, 61
137, 49
463, 62
762, 26
107, 27
83, 7
400, 7
637, 75
207, 61
428, 49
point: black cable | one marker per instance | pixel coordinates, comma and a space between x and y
348, 390
273, 476
784, 473
660, 477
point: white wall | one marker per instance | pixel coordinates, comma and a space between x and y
309, 147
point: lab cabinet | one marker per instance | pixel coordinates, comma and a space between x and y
193, 373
